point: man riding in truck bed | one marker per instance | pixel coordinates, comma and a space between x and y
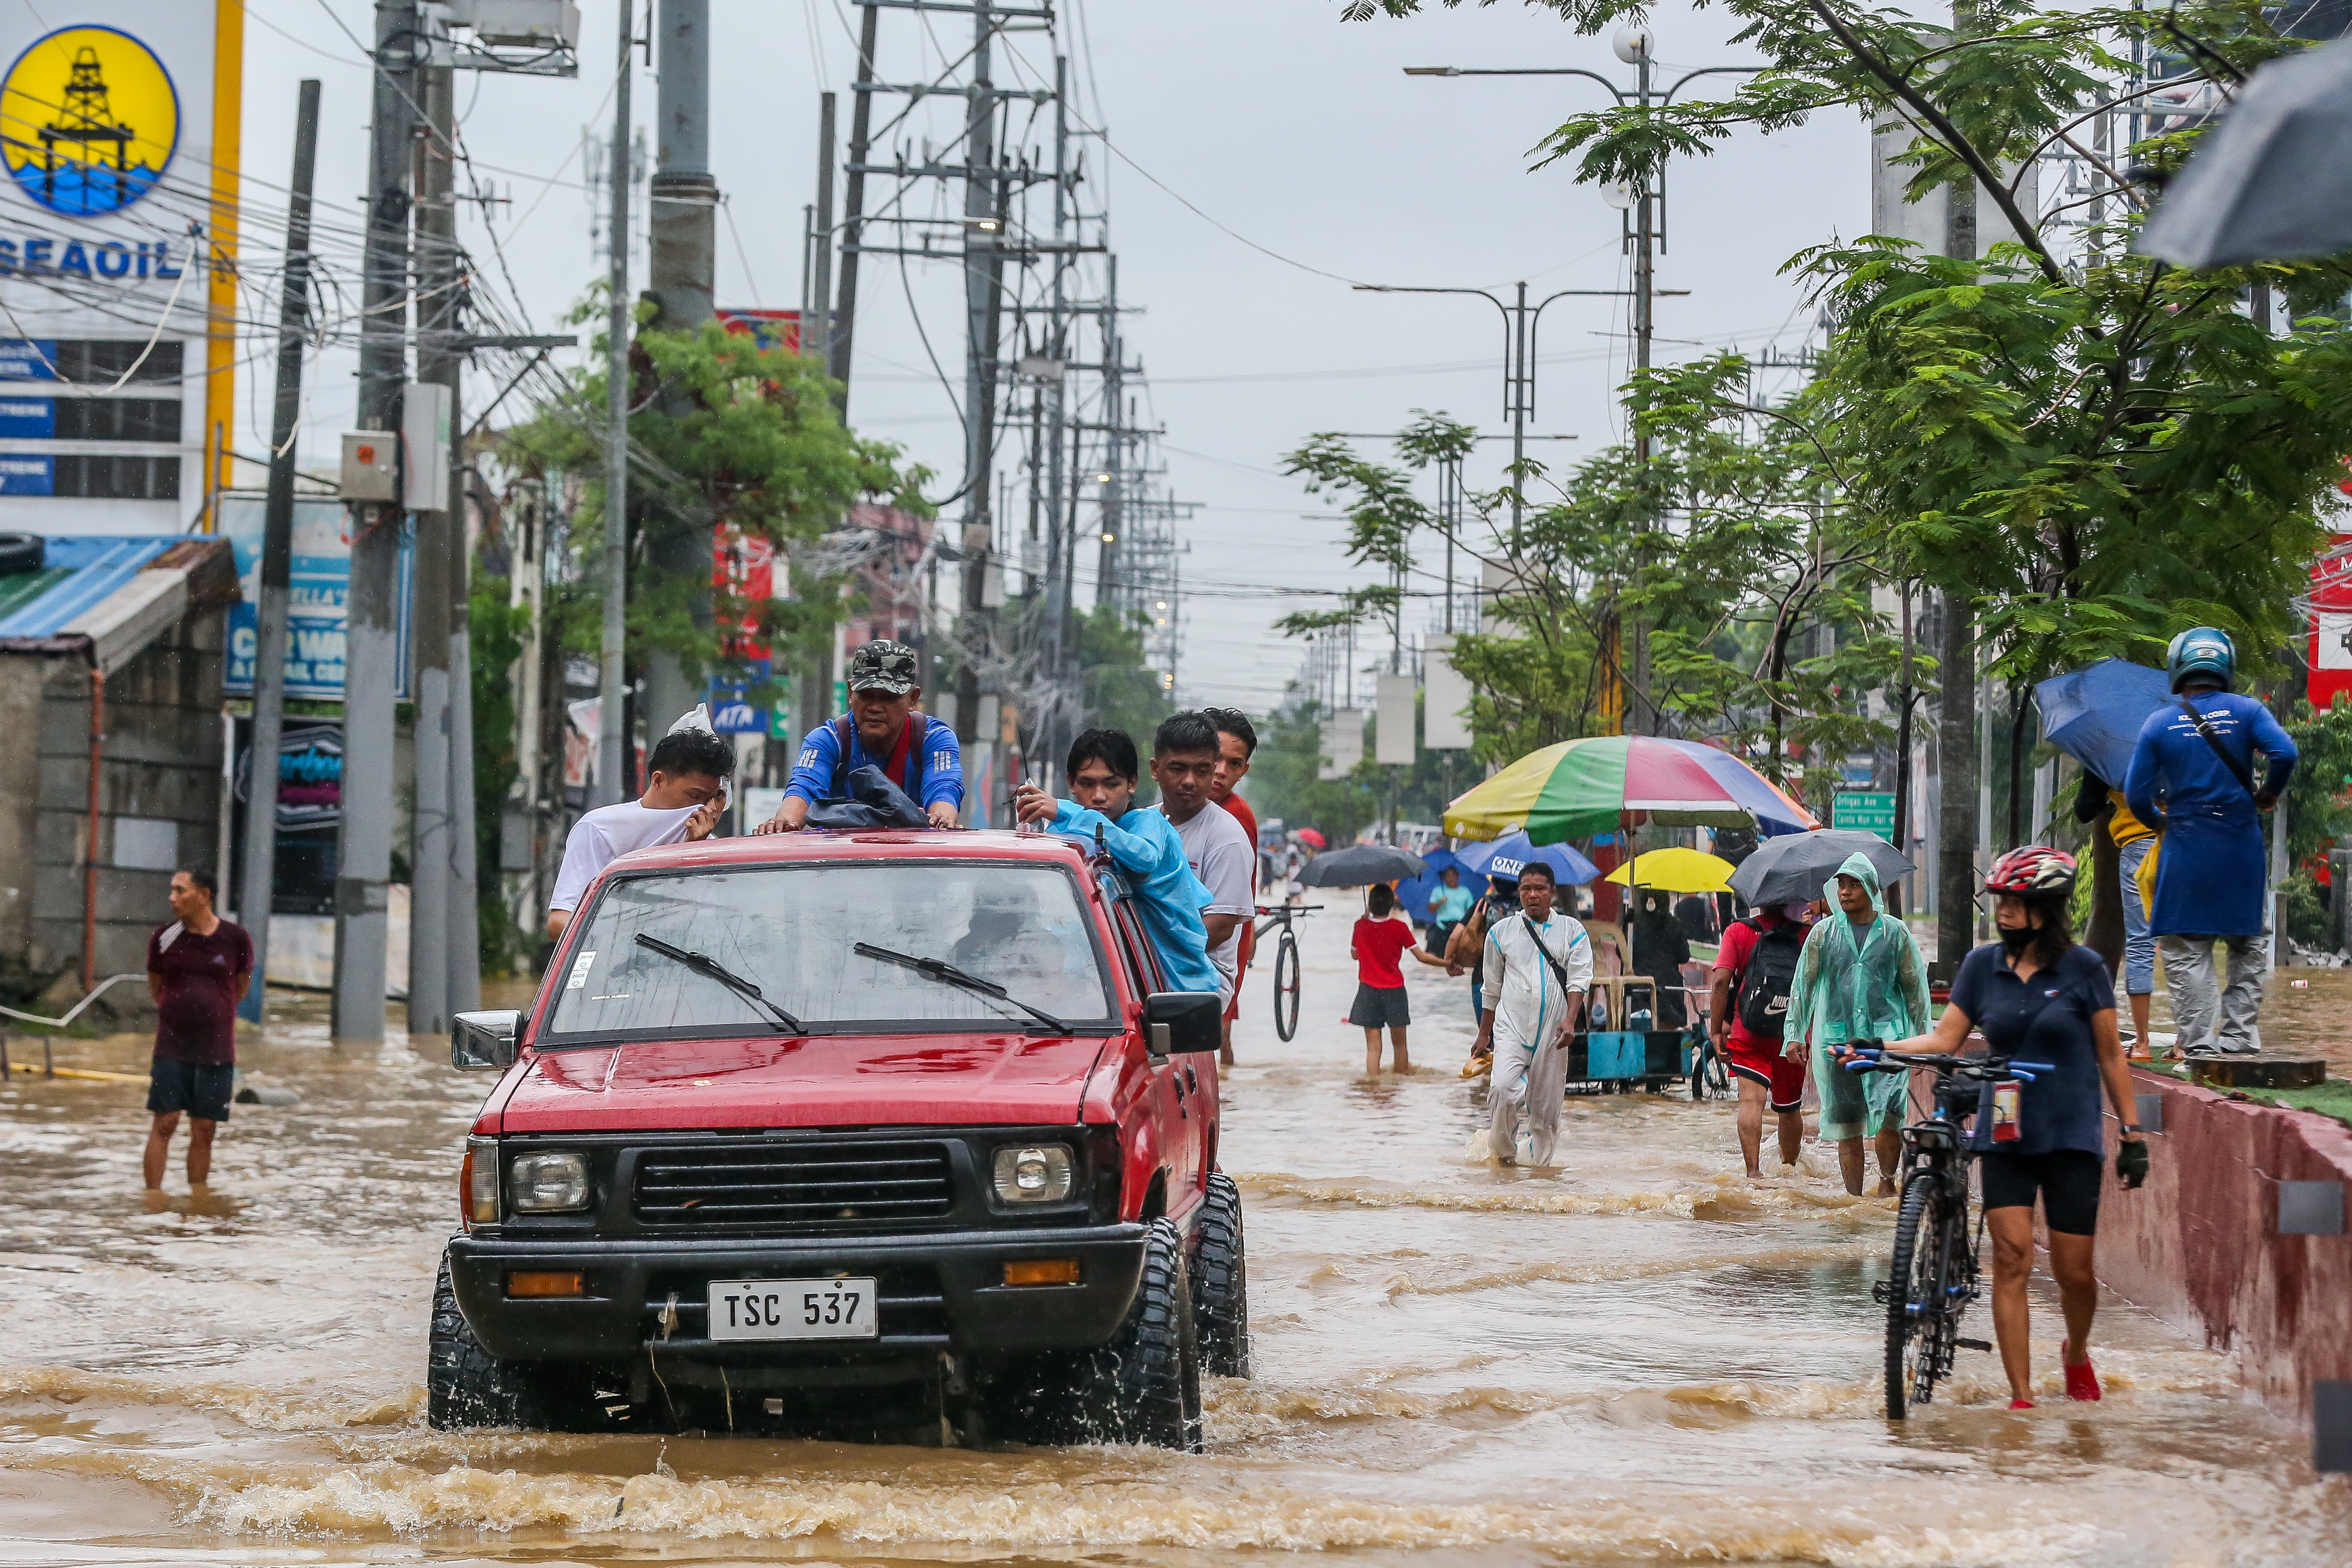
883, 729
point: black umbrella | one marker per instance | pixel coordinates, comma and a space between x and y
2273, 182
1360, 865
1794, 866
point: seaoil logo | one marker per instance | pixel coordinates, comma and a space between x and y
88, 120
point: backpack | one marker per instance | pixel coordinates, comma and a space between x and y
1763, 1006
917, 735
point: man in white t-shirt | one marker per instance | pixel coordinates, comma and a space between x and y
1184, 756
682, 802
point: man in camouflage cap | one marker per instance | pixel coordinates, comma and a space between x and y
884, 728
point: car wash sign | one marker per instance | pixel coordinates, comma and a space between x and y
318, 595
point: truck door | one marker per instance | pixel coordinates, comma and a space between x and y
1180, 1104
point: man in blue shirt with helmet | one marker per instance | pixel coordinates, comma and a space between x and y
884, 728
2194, 765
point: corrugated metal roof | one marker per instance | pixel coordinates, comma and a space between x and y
85, 570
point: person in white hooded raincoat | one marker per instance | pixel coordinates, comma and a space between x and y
1860, 976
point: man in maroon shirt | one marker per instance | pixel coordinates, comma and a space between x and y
1237, 743
198, 968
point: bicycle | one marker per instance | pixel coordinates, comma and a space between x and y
1935, 1274
1285, 963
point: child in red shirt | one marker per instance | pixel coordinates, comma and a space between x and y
1379, 942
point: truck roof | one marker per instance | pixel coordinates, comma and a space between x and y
878, 843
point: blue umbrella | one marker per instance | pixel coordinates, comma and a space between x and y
1503, 858
1413, 895
2094, 715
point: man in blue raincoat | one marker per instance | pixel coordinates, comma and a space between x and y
2195, 764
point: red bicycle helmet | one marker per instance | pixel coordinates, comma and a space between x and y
2033, 868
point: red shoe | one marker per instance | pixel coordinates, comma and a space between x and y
2020, 1404
2081, 1381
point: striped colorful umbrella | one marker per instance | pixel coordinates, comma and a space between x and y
1603, 782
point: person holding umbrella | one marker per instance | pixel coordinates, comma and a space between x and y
2193, 771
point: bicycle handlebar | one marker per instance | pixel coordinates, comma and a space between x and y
1876, 1058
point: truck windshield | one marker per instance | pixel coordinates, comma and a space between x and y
793, 932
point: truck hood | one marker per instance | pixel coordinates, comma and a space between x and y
855, 1080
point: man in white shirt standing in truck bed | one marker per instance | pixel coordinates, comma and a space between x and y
685, 794
1184, 756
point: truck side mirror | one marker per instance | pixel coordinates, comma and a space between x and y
485, 1040
1179, 1021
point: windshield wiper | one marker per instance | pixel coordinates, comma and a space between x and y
702, 965
946, 973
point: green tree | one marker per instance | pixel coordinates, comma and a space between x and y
498, 632
1735, 549
724, 434
2092, 447
1121, 692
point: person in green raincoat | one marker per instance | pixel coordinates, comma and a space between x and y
1860, 976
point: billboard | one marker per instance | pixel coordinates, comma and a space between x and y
310, 811
119, 126
2330, 652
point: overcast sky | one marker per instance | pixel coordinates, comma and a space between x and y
1279, 122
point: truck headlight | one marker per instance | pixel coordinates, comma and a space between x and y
478, 1184
547, 1183
1033, 1173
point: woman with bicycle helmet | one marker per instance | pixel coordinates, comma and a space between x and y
2039, 997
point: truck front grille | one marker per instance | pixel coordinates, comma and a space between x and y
810, 1184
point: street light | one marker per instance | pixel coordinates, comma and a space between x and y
1520, 322
1633, 44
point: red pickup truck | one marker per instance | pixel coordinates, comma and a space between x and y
882, 1134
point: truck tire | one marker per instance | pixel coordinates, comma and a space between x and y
1144, 1386
1221, 1283
466, 1385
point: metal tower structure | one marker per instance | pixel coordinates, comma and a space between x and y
978, 159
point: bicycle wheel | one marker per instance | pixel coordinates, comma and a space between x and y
1920, 1315
1285, 986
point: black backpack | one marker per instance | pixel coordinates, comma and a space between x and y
1764, 984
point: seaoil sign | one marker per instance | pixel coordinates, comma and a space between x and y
105, 259
88, 123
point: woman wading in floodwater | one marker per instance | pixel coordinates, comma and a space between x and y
2039, 997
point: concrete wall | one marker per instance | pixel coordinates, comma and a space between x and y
2199, 1245
159, 794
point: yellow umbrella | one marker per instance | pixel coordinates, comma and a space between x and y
1676, 870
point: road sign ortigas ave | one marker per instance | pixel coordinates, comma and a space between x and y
119, 145
1865, 811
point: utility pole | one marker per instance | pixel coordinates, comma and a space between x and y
437, 364
1956, 730
853, 220
363, 838
258, 876
984, 270
682, 280
1113, 478
816, 330
614, 774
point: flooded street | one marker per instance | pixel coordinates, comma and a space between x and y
1639, 1359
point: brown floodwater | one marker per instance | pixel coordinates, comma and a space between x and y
1639, 1359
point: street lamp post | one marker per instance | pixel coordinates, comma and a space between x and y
1646, 235
1520, 322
